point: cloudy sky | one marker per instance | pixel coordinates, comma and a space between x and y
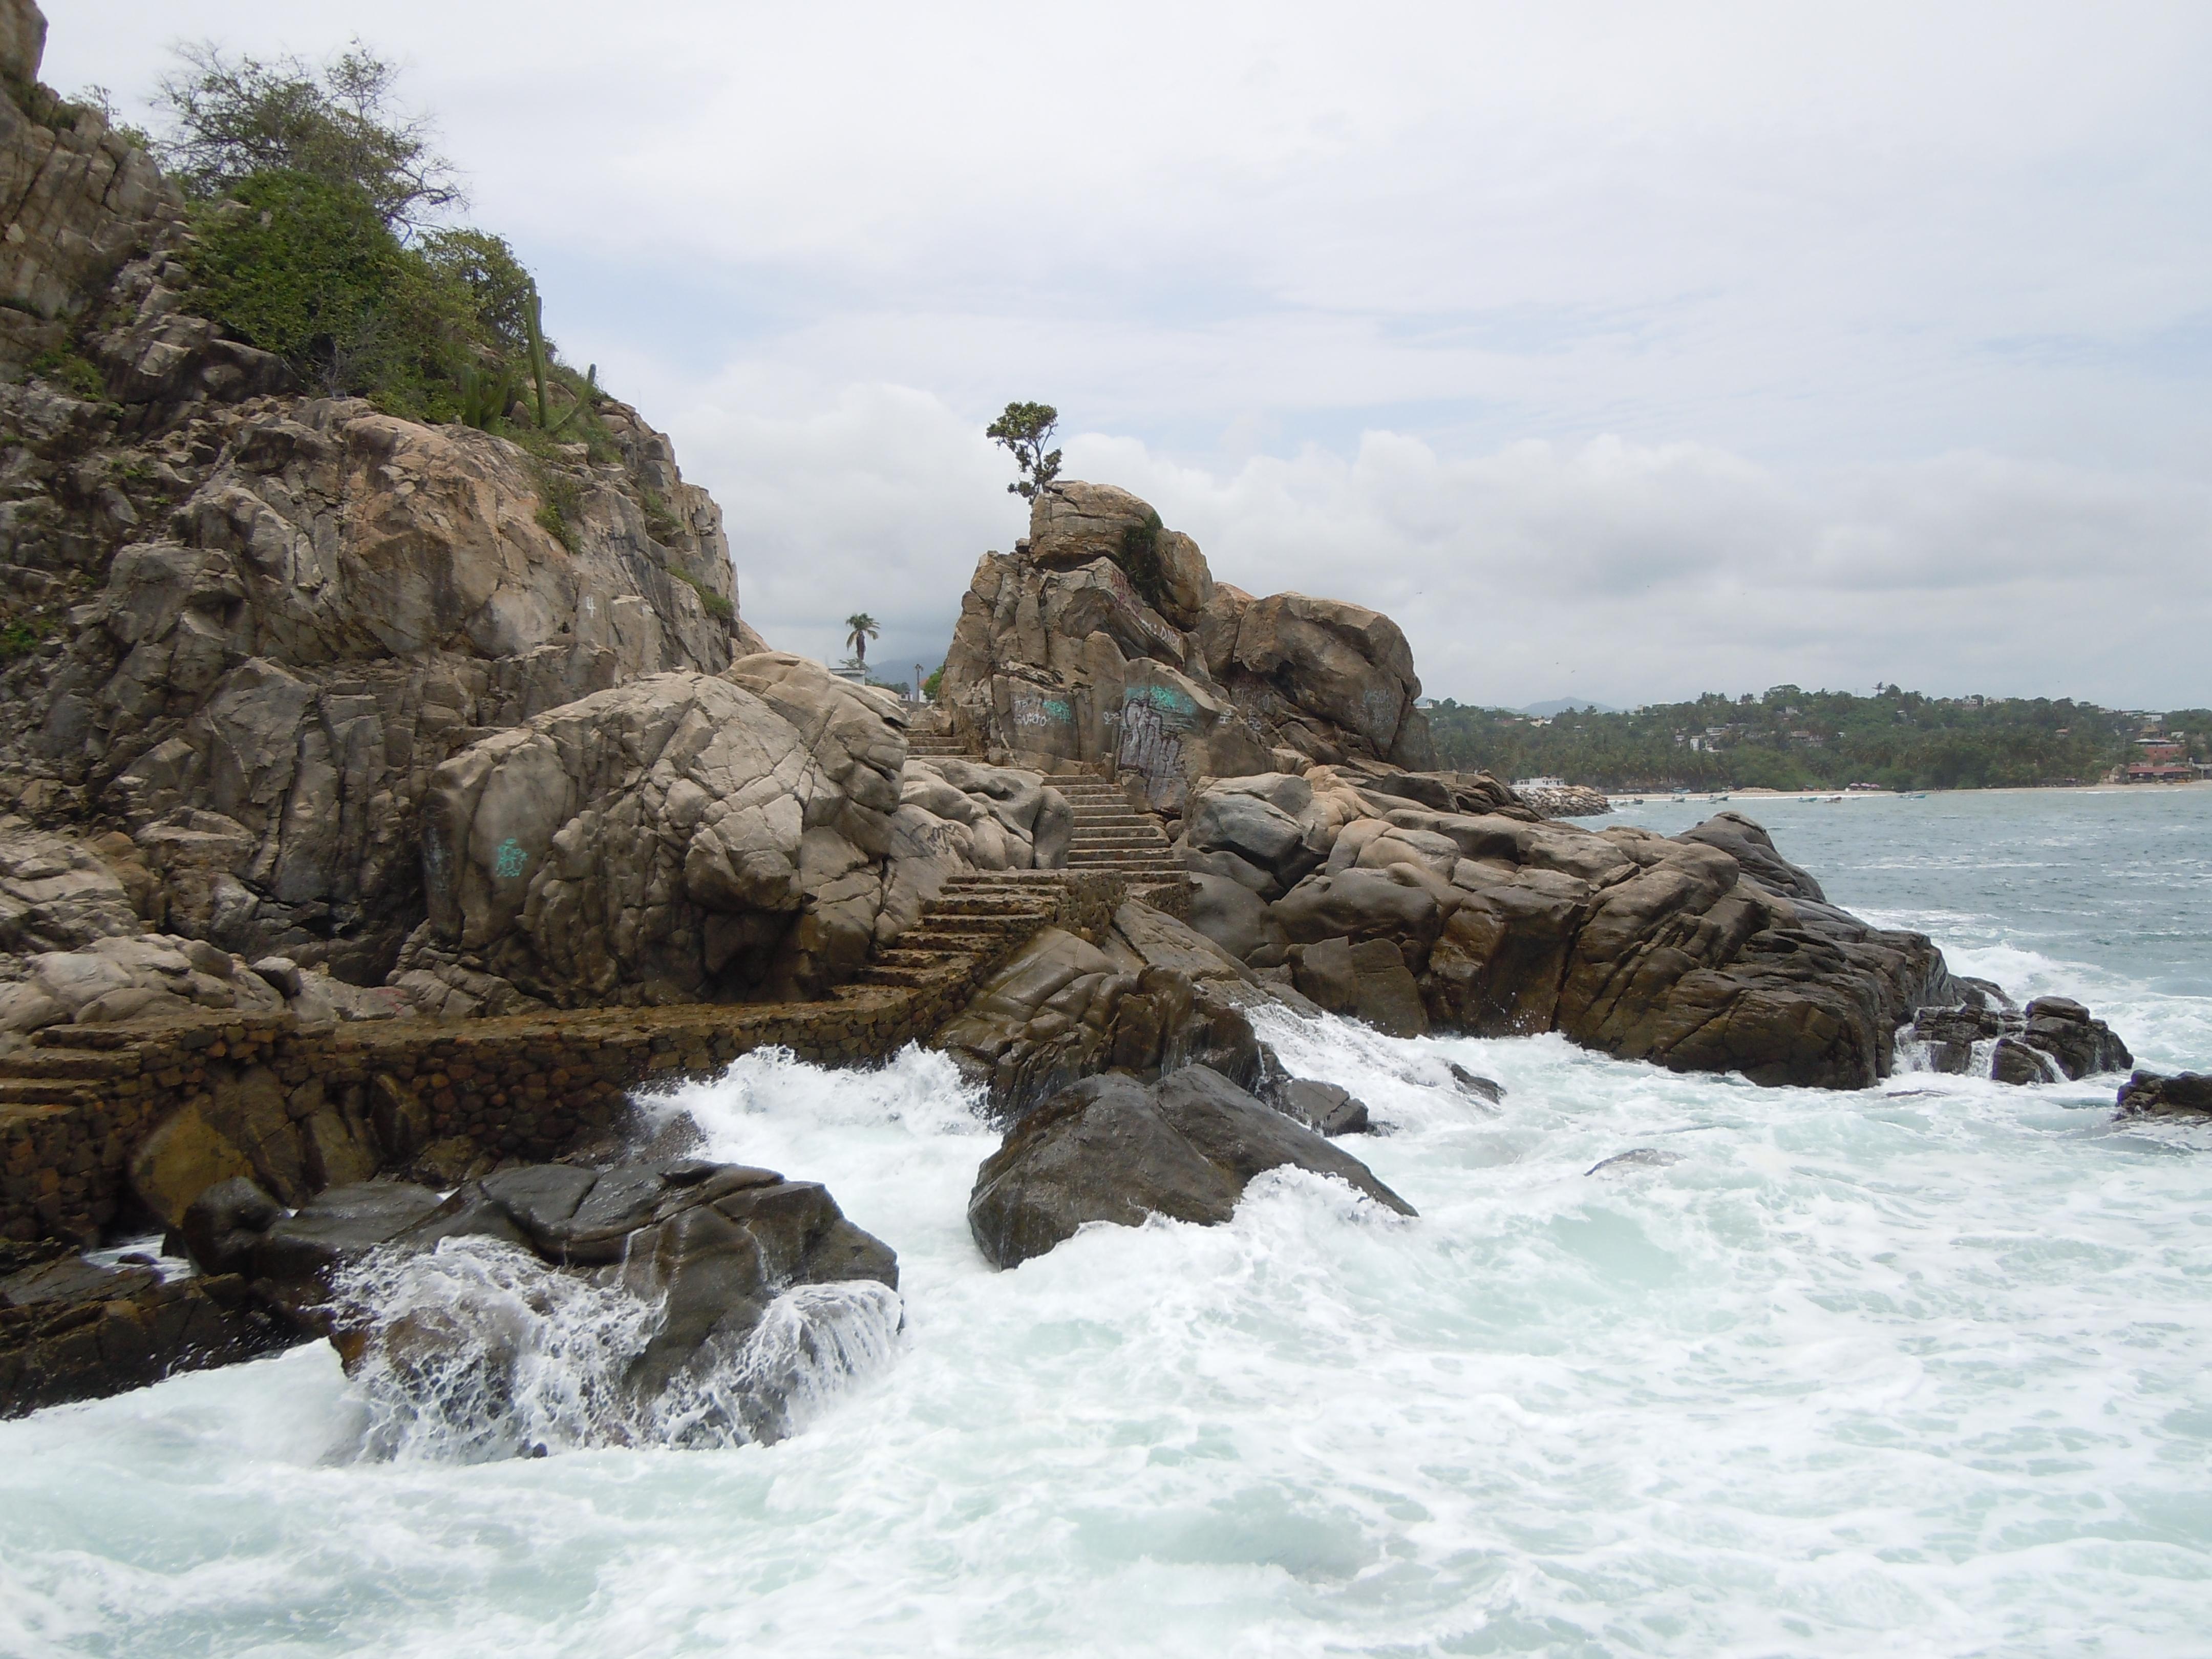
1622, 351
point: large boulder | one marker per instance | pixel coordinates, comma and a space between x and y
1104, 637
1331, 679
702, 838
2186, 1095
1431, 904
1113, 1149
703, 1249
1158, 996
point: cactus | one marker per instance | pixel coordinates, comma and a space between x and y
540, 371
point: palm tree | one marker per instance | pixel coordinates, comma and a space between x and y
863, 628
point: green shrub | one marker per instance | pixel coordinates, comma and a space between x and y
21, 635
66, 366
717, 607
660, 521
309, 270
560, 507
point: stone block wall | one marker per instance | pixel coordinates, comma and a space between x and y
312, 1105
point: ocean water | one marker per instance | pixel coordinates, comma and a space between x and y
1925, 1369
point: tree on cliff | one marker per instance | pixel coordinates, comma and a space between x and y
232, 117
1025, 429
862, 628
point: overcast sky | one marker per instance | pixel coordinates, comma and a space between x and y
1619, 351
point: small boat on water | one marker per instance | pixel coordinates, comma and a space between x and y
1718, 798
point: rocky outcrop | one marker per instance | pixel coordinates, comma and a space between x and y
2186, 1095
244, 627
689, 837
1568, 800
2055, 1040
72, 1328
343, 601
80, 198
1104, 637
1114, 1148
702, 1249
1706, 952
1151, 997
154, 976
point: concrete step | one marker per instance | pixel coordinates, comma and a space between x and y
893, 975
70, 1063
46, 1092
1012, 906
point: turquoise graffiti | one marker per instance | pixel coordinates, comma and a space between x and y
510, 860
1165, 698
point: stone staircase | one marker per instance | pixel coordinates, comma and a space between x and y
978, 919
928, 745
1112, 835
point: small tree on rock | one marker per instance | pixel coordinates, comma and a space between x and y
1025, 429
232, 117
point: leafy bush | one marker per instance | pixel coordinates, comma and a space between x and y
717, 607
233, 120
66, 366
560, 506
306, 270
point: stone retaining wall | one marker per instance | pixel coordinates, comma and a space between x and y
348, 1100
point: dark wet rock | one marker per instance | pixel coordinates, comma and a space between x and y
1478, 1088
297, 1258
1368, 980
71, 1329
221, 1225
1112, 1149
1323, 1107
2055, 1040
2148, 1094
2017, 1062
1636, 1158
2079, 1044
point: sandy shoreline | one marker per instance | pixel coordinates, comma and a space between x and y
1649, 797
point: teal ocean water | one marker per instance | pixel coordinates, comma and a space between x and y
1924, 1371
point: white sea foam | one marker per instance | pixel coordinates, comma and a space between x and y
1924, 1369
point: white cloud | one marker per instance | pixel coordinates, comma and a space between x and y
1617, 351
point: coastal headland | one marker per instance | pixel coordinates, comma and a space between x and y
392, 789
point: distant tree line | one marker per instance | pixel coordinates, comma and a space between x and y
1792, 738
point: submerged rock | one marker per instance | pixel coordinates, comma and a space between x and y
2147, 1094
1113, 1149
2054, 1040
72, 1328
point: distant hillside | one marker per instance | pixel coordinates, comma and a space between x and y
1792, 738
1561, 705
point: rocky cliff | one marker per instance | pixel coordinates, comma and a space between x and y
1103, 637
245, 627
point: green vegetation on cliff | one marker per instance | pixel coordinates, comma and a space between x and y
311, 196
1792, 738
